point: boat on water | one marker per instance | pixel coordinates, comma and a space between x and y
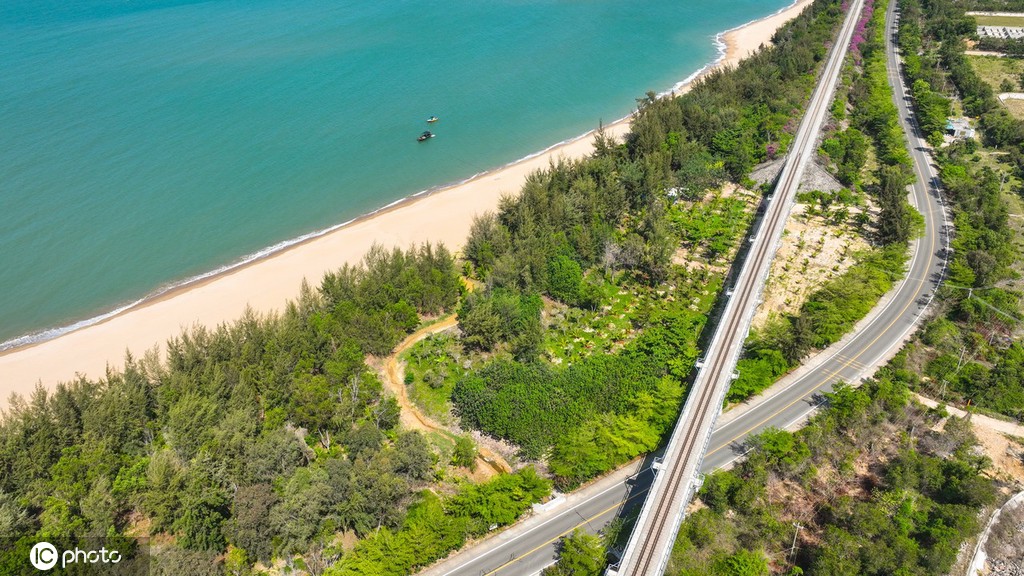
432, 119
427, 135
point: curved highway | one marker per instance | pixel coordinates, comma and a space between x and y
530, 546
678, 477
889, 326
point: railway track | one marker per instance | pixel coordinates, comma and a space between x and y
872, 343
659, 520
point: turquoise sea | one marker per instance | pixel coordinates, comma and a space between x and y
144, 143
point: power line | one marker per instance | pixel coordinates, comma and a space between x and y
972, 296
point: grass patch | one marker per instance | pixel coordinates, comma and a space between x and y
444, 443
1017, 21
432, 368
1016, 107
573, 334
1014, 203
710, 229
994, 71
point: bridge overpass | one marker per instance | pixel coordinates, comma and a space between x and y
677, 475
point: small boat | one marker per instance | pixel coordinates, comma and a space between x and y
425, 136
432, 119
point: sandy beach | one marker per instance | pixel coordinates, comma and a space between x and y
267, 284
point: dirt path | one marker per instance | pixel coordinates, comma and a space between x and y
1000, 426
996, 439
411, 417
488, 462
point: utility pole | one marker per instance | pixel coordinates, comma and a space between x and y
959, 363
792, 549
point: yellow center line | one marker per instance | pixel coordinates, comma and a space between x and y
863, 349
851, 361
552, 540
776, 413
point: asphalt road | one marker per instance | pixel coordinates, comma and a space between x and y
655, 530
528, 548
880, 338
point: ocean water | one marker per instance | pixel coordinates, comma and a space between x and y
146, 142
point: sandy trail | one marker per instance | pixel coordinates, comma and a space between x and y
411, 417
989, 422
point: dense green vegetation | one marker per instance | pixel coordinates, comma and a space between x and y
967, 352
502, 316
433, 527
871, 96
836, 306
598, 412
583, 231
875, 491
1008, 46
735, 119
263, 438
994, 5
848, 150
709, 230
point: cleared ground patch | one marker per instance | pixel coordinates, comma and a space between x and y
821, 238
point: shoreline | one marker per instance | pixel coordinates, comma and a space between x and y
172, 288
267, 279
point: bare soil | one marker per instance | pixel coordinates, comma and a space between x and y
489, 463
813, 250
1005, 453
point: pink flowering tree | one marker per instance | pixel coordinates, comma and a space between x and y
860, 30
